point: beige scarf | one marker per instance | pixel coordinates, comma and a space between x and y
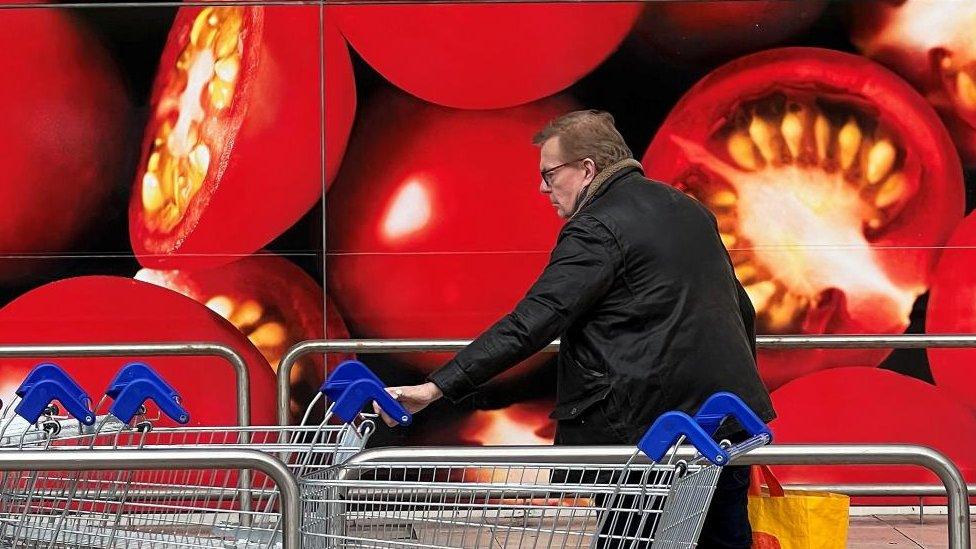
589, 191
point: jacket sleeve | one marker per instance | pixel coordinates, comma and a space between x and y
581, 269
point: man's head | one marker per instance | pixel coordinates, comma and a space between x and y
574, 148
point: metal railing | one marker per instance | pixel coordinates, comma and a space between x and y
792, 454
381, 346
146, 460
243, 389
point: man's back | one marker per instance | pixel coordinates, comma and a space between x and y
673, 327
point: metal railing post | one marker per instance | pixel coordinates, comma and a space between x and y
144, 460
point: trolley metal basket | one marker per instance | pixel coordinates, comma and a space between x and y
455, 503
168, 508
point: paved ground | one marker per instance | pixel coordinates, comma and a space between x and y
890, 531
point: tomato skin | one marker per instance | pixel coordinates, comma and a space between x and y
63, 146
451, 55
292, 298
870, 406
108, 309
269, 140
435, 225
905, 249
697, 31
952, 309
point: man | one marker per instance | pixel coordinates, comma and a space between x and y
642, 293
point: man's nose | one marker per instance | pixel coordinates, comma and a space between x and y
543, 188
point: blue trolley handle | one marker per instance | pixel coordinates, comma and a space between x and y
46, 383
352, 385
699, 430
136, 383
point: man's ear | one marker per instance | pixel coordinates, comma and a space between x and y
590, 169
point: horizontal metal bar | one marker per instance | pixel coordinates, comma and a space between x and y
176, 4
148, 349
164, 4
380, 346
142, 460
785, 454
880, 490
866, 341
845, 341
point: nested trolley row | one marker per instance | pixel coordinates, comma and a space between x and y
448, 504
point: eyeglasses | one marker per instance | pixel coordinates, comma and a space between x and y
547, 174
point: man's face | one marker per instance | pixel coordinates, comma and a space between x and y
562, 178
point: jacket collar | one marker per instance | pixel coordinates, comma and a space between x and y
601, 182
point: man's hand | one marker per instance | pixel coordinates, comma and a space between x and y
413, 397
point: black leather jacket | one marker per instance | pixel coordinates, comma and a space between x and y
642, 293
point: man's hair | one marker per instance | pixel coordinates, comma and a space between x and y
586, 134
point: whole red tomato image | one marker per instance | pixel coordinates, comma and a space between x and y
274, 303
487, 55
696, 31
832, 182
435, 224
64, 125
232, 153
952, 309
930, 43
871, 406
108, 309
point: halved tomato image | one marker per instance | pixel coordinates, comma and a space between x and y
952, 310
271, 301
833, 182
701, 31
109, 309
930, 43
426, 238
63, 126
474, 55
232, 153
871, 406
519, 424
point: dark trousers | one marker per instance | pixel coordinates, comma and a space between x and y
727, 521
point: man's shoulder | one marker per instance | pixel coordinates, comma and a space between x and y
637, 194
637, 182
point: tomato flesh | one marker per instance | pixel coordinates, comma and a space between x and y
831, 181
271, 301
930, 44
236, 118
522, 423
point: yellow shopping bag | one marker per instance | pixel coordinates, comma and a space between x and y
795, 519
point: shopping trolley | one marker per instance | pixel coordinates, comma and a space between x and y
168, 508
462, 503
